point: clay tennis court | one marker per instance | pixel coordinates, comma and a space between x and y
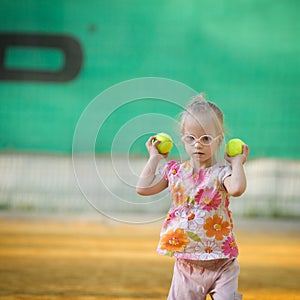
95, 258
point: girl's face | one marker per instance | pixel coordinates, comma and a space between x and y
201, 152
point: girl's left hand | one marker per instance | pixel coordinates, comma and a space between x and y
241, 157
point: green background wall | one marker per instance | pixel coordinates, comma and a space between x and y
245, 55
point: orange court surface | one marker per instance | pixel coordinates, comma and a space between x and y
87, 259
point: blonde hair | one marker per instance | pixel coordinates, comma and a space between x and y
199, 105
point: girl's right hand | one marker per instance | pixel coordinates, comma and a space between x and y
151, 147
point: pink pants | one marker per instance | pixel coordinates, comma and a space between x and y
193, 280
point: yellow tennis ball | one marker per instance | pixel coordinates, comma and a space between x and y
165, 144
234, 147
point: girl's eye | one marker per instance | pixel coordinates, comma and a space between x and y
206, 139
189, 139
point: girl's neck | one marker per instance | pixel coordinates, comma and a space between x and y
197, 165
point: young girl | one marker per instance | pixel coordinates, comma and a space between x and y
198, 229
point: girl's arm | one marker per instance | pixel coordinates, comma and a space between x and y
149, 183
236, 183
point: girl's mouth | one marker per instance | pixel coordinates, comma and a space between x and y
198, 153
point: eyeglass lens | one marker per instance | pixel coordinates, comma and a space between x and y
204, 139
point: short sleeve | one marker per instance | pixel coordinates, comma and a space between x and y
225, 171
166, 169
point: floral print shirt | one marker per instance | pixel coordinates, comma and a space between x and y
198, 225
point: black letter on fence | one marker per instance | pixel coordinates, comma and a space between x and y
69, 46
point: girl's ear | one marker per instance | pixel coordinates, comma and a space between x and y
220, 139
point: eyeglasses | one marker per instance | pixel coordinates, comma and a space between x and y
204, 140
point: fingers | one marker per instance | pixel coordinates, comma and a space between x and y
246, 150
151, 142
151, 146
243, 157
226, 156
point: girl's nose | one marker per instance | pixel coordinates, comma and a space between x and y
197, 145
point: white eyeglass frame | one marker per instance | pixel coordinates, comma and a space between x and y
198, 140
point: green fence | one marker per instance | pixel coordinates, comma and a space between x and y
57, 56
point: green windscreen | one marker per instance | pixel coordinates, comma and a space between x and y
57, 56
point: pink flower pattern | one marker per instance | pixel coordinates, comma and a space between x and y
195, 200
230, 248
208, 199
